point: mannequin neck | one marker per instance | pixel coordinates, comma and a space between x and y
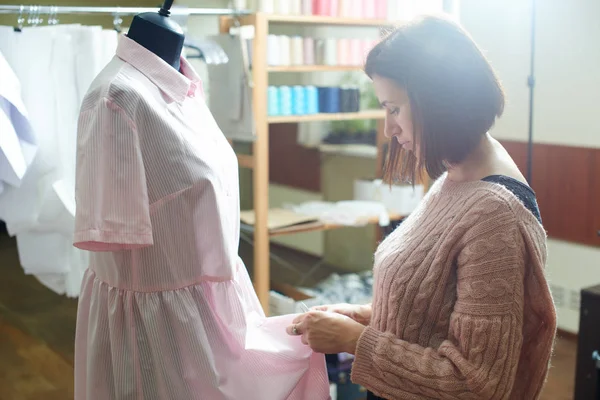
159, 34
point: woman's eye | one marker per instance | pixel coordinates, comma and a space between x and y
394, 111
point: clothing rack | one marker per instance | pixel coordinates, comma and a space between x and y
52, 10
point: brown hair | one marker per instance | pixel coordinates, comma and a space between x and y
453, 91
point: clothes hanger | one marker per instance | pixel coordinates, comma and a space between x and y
117, 21
208, 50
20, 19
53, 15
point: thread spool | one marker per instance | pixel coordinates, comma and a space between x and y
273, 50
296, 7
266, 6
297, 51
356, 8
319, 52
349, 99
369, 9
283, 7
284, 50
312, 100
331, 52
309, 51
343, 52
345, 9
298, 101
285, 100
329, 99
307, 7
322, 7
273, 101
333, 8
381, 9
355, 52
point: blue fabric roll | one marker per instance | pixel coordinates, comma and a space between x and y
285, 100
298, 100
273, 101
329, 99
312, 100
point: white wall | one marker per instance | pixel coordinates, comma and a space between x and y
567, 94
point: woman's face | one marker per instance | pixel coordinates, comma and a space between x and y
398, 118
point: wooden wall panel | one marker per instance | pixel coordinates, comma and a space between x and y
291, 164
566, 180
567, 185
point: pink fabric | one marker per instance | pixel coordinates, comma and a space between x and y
167, 310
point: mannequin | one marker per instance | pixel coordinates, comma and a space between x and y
159, 34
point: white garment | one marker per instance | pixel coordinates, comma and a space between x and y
17, 141
55, 66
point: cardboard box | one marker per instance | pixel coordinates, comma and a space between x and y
399, 199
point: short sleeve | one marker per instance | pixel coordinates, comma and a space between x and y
112, 208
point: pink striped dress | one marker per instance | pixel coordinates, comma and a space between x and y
167, 310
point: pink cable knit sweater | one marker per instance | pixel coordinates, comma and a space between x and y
461, 308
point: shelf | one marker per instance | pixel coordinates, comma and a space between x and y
314, 68
368, 114
320, 226
354, 150
325, 20
316, 226
315, 20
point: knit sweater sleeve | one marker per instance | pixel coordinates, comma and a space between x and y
479, 359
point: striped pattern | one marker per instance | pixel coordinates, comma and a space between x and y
167, 310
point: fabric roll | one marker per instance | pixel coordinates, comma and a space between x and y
309, 51
296, 7
320, 52
307, 7
356, 8
345, 9
283, 7
273, 50
298, 100
320, 7
266, 6
273, 100
285, 100
343, 52
369, 9
331, 52
349, 99
312, 100
329, 99
284, 50
381, 9
333, 8
356, 52
296, 50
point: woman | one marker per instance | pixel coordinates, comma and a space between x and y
461, 307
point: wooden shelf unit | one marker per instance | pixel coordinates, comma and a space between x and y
312, 20
368, 114
258, 161
314, 68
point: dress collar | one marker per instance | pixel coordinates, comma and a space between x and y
176, 85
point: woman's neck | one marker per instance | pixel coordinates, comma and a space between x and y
477, 164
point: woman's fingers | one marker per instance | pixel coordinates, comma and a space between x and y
304, 339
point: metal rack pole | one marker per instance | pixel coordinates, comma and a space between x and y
14, 9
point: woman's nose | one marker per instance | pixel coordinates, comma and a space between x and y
391, 128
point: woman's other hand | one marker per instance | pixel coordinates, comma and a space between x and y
327, 332
361, 314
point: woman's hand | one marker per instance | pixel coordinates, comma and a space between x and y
327, 332
361, 314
